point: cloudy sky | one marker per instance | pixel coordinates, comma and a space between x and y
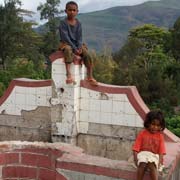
84, 5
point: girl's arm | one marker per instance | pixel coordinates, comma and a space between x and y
135, 157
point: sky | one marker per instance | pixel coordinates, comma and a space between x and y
84, 5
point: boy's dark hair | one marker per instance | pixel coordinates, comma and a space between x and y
152, 115
71, 3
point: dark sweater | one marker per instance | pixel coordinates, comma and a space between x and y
71, 34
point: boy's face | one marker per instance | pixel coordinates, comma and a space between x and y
71, 11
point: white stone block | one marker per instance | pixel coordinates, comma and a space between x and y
129, 120
84, 116
119, 97
84, 104
95, 105
139, 121
20, 99
84, 93
94, 95
58, 69
118, 107
106, 106
31, 99
129, 109
105, 118
20, 90
94, 116
41, 90
31, 90
41, 100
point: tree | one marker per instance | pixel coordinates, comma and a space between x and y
49, 11
9, 23
19, 44
143, 62
17, 39
104, 66
175, 47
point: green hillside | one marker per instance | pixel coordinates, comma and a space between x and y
109, 28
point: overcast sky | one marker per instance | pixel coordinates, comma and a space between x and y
84, 5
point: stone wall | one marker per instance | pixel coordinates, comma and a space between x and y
108, 141
32, 125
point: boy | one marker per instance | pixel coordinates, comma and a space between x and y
71, 42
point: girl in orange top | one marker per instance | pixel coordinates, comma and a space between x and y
149, 148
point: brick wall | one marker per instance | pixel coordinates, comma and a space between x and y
60, 161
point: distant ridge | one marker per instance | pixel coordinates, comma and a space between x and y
110, 27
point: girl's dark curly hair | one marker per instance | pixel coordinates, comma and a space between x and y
152, 115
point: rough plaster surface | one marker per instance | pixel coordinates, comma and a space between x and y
32, 125
72, 175
108, 141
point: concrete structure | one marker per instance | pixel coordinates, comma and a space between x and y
103, 120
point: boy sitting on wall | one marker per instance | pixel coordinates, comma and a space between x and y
71, 43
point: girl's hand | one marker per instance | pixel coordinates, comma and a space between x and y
135, 158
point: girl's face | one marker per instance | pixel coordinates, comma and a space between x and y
155, 126
71, 11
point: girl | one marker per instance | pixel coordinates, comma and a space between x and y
149, 148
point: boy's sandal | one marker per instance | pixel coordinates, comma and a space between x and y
92, 81
70, 80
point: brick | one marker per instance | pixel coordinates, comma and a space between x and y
46, 162
46, 174
37, 160
19, 172
9, 158
29, 159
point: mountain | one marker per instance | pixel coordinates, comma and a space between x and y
110, 27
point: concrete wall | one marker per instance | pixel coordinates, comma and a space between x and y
108, 141
32, 125
25, 112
